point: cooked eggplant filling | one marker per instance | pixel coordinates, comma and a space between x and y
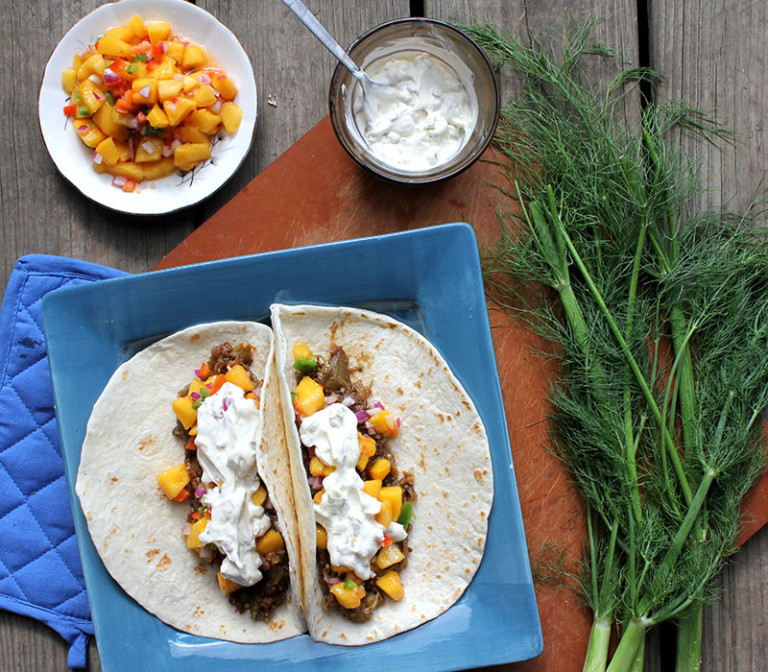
321, 383
230, 364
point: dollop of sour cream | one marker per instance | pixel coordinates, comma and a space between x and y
421, 116
227, 428
345, 511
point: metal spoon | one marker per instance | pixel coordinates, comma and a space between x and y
320, 32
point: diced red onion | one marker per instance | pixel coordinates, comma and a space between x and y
311, 451
216, 107
145, 91
205, 553
186, 530
377, 404
148, 147
110, 77
199, 491
315, 482
330, 580
361, 416
195, 396
133, 124
175, 143
226, 404
205, 79
97, 158
82, 128
349, 400
331, 399
95, 79
119, 180
132, 148
166, 150
373, 411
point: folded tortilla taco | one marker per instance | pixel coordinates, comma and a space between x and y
186, 490
391, 470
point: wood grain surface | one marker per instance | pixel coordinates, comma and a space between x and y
712, 54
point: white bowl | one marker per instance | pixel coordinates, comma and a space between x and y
74, 159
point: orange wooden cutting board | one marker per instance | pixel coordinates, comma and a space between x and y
313, 194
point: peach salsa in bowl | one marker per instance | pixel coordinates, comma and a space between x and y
152, 110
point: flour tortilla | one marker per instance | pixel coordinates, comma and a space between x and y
135, 527
442, 442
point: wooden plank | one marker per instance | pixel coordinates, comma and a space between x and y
565, 623
720, 68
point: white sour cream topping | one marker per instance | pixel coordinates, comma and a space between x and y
345, 511
227, 426
422, 117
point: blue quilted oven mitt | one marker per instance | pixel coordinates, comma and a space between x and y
40, 572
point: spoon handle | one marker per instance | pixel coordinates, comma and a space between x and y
319, 31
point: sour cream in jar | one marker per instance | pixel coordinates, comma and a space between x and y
419, 115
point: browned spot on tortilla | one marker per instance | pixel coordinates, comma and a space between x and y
482, 514
200, 569
277, 625
480, 541
400, 391
467, 570
147, 443
418, 383
152, 554
114, 480
447, 470
199, 611
164, 563
423, 462
430, 528
113, 509
445, 495
195, 337
479, 474
125, 375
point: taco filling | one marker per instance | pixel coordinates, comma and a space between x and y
362, 502
232, 523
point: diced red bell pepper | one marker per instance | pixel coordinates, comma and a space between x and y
183, 495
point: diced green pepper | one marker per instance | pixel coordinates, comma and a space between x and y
405, 514
305, 364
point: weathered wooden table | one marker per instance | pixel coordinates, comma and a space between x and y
713, 55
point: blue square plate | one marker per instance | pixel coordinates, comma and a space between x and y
430, 279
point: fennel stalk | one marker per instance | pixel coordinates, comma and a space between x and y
659, 315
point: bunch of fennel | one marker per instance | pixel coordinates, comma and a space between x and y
659, 318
